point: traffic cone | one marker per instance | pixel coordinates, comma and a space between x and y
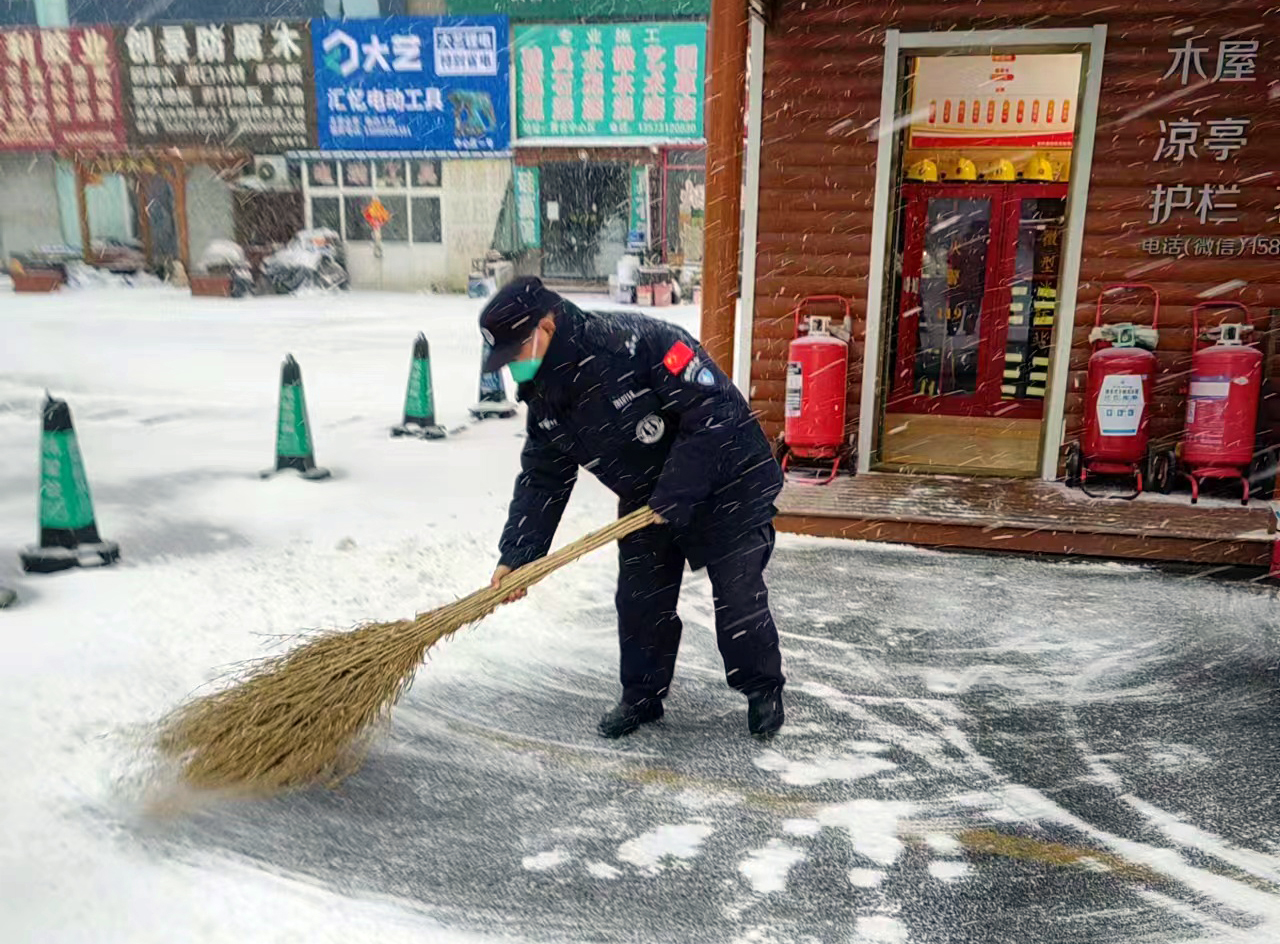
294, 449
493, 393
68, 533
419, 404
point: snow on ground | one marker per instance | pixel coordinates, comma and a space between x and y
978, 749
174, 400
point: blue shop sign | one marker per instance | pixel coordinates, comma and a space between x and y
408, 83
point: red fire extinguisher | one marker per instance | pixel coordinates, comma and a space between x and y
816, 390
1222, 408
1117, 410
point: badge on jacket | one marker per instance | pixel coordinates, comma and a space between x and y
650, 429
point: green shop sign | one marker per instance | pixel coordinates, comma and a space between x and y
576, 10
528, 208
640, 81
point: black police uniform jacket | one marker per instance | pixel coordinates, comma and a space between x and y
638, 403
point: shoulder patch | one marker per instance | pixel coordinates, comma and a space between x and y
678, 357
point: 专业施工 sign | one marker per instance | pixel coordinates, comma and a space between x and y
437, 84
235, 85
59, 88
636, 80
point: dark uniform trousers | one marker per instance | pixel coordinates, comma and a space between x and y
651, 566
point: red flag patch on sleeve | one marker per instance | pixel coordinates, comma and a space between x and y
677, 359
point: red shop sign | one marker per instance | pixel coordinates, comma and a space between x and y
59, 88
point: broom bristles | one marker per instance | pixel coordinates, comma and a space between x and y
306, 716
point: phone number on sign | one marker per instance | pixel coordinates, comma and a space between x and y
1212, 246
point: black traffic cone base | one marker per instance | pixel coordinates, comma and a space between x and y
50, 560
313, 474
416, 431
493, 410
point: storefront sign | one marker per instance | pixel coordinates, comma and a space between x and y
1221, 69
1000, 101
639, 80
528, 208
571, 10
59, 88
436, 84
236, 85
638, 226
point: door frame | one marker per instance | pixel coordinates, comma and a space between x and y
1090, 42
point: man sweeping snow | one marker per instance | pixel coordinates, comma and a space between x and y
639, 403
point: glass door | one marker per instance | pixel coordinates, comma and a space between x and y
1034, 217
947, 304
978, 298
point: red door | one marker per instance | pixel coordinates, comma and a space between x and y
977, 298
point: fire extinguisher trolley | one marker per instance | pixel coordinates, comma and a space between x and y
816, 390
1117, 410
1222, 409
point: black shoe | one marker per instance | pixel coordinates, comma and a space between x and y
764, 712
622, 719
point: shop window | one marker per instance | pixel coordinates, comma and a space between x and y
426, 173
396, 229
391, 175
426, 220
356, 174
357, 229
323, 174
325, 214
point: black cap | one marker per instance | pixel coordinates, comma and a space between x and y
511, 317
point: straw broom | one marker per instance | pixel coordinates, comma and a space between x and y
307, 716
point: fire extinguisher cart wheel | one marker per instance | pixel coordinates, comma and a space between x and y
1074, 464
1122, 369
816, 392
1162, 470
1222, 406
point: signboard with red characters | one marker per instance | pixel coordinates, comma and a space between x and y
59, 88
1003, 101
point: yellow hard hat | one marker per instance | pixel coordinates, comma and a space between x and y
1001, 170
1038, 168
925, 171
964, 170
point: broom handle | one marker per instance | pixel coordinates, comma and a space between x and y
526, 576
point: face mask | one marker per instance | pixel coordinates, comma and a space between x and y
523, 371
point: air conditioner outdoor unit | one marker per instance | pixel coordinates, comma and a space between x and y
273, 171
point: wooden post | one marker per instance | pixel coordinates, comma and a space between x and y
82, 208
178, 181
144, 215
726, 98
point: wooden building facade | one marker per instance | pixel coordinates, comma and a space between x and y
879, 131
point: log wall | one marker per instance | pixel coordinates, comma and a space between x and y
823, 68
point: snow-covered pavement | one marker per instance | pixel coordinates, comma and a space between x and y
979, 749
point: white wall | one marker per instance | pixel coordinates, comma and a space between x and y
473, 194
210, 209
29, 215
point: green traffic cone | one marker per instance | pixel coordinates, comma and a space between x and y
294, 449
68, 532
419, 404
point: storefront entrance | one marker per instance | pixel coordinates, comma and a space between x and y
977, 224
974, 325
585, 208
